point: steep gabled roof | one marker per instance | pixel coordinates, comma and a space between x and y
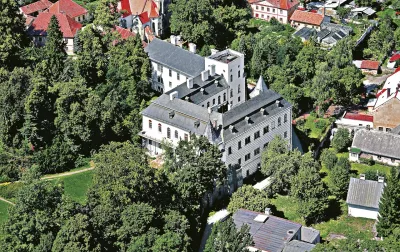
366, 193
307, 17
68, 26
36, 6
68, 7
144, 17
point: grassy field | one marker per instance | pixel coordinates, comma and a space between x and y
77, 185
3, 211
358, 228
389, 12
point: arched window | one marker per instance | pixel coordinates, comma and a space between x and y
279, 121
159, 127
214, 101
208, 104
150, 124
219, 99
285, 118
176, 134
168, 133
224, 97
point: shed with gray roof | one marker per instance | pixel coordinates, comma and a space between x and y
175, 57
298, 246
363, 197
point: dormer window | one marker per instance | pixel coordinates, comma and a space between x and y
171, 114
197, 124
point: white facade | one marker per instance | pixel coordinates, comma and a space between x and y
265, 10
233, 72
363, 212
164, 79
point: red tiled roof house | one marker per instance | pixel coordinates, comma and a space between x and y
35, 8
68, 27
368, 66
139, 14
280, 10
301, 19
70, 8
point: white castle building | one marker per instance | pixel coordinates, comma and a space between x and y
208, 97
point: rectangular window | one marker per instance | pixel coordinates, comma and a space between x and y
388, 129
256, 135
262, 8
256, 7
247, 140
285, 134
268, 10
256, 151
239, 161
178, 76
229, 151
380, 128
281, 11
266, 129
160, 68
150, 142
239, 74
265, 145
170, 73
239, 145
186, 137
170, 84
273, 10
238, 98
247, 157
231, 77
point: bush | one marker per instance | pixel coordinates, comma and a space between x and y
249, 198
58, 157
373, 175
341, 140
10, 191
320, 124
367, 161
328, 158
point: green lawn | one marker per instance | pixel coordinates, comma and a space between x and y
316, 127
286, 207
3, 211
77, 185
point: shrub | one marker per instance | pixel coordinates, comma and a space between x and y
320, 124
328, 158
367, 161
341, 140
373, 175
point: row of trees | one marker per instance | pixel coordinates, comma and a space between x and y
130, 206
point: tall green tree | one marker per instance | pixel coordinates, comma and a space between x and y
341, 140
54, 51
328, 158
389, 207
340, 178
225, 237
249, 198
13, 38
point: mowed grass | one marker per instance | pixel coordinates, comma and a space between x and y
3, 212
286, 207
76, 185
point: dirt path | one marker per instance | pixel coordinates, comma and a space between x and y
53, 176
7, 201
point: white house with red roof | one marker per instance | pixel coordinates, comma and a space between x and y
267, 9
68, 27
70, 8
139, 14
368, 66
355, 121
309, 19
33, 9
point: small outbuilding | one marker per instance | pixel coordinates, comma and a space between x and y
363, 197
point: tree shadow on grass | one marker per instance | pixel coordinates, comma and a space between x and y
334, 210
277, 213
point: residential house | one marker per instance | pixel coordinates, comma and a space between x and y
68, 26
372, 144
274, 234
363, 197
386, 105
362, 12
172, 65
214, 104
33, 9
139, 14
355, 121
368, 66
309, 19
71, 9
267, 9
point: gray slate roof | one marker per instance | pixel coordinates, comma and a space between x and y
272, 235
298, 246
309, 234
305, 33
210, 89
175, 57
185, 114
251, 108
366, 193
396, 130
378, 143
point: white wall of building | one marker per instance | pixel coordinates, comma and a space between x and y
363, 212
162, 78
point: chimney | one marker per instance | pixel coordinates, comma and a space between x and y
204, 75
267, 211
381, 179
171, 114
362, 176
232, 128
187, 98
173, 39
278, 103
189, 83
202, 90
173, 95
214, 51
247, 119
192, 47
262, 110
211, 69
388, 92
